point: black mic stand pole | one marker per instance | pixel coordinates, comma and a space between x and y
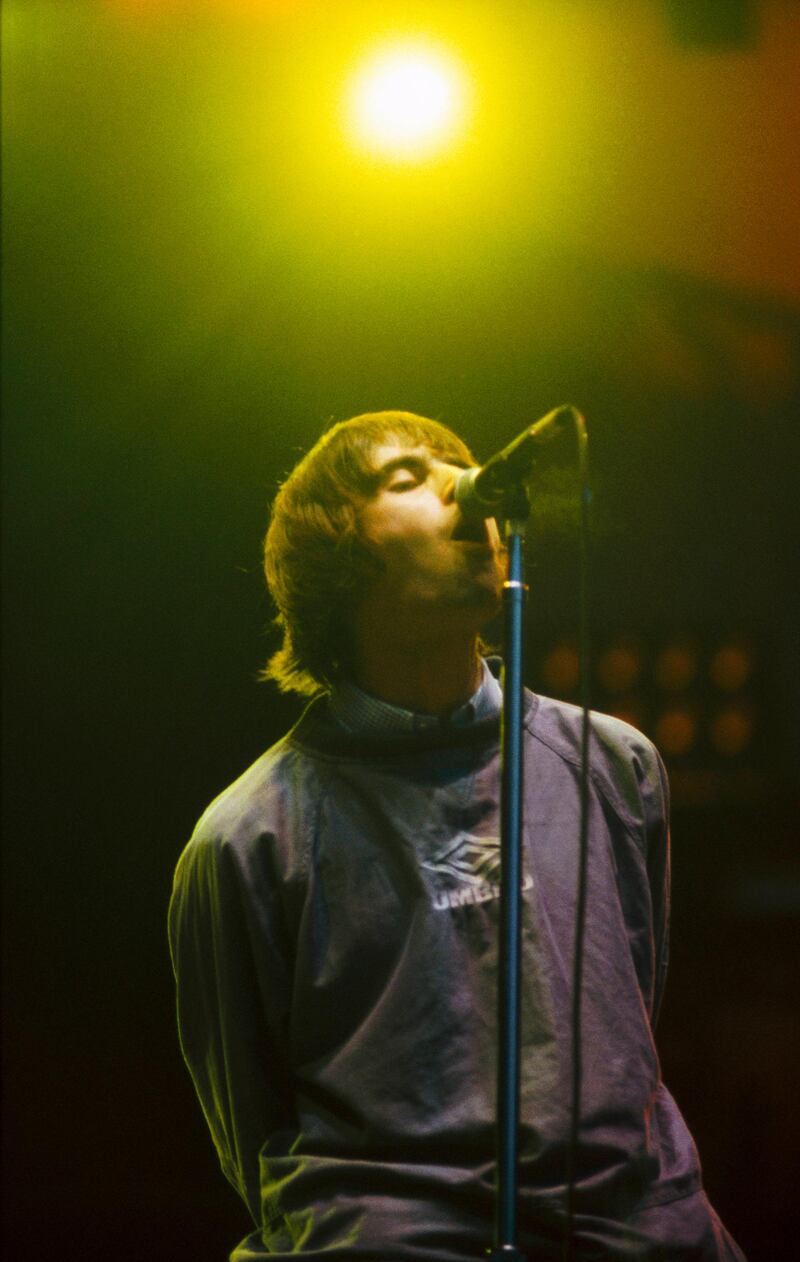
515, 512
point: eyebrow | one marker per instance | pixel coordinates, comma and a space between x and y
419, 463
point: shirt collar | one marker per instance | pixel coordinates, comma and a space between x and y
361, 714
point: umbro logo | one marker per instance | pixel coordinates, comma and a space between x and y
474, 862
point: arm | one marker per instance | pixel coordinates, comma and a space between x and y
233, 982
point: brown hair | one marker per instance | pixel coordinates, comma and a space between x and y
314, 560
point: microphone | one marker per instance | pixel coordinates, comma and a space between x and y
480, 492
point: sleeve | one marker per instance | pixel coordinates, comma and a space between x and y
632, 774
655, 792
233, 988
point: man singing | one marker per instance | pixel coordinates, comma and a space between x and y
334, 921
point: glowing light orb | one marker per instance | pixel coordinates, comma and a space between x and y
407, 101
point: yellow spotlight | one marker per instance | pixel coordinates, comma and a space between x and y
407, 101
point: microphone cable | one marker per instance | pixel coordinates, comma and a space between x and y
583, 838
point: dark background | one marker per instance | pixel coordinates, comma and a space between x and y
194, 287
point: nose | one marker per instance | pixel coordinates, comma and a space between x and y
447, 474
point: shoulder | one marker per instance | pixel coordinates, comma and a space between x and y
559, 724
262, 813
624, 763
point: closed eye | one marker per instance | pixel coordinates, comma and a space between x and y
405, 473
404, 483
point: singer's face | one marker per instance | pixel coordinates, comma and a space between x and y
439, 573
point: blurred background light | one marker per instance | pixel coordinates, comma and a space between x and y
731, 730
407, 100
731, 666
669, 687
676, 667
676, 731
619, 667
561, 670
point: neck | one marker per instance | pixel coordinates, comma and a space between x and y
430, 680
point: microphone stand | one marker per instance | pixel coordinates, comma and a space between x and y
511, 468
517, 508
